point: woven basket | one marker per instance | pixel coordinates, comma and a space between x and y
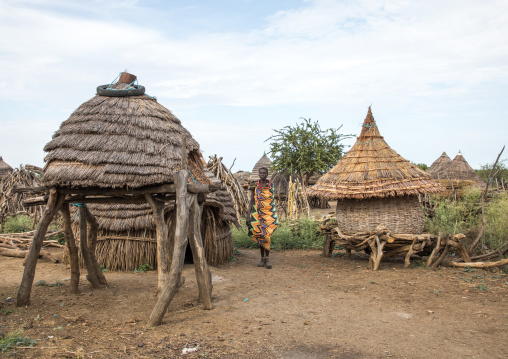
399, 214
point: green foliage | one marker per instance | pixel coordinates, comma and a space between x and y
456, 217
464, 216
18, 224
13, 340
302, 234
496, 214
43, 283
305, 149
501, 171
143, 268
421, 166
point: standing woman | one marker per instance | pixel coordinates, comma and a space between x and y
262, 221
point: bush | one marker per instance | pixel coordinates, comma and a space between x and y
464, 216
13, 340
302, 234
17, 224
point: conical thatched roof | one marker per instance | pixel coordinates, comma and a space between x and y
4, 168
371, 169
459, 169
439, 165
110, 142
263, 162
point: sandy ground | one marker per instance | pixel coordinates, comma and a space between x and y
307, 306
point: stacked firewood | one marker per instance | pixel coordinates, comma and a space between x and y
382, 243
240, 200
11, 200
17, 244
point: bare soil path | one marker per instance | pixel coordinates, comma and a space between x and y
305, 307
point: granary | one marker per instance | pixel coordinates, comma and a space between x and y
127, 232
374, 185
456, 176
123, 147
4, 168
437, 168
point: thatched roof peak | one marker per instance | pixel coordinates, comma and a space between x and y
119, 140
371, 169
439, 165
459, 169
264, 161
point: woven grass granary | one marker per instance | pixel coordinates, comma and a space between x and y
456, 176
438, 168
4, 168
374, 185
127, 233
264, 161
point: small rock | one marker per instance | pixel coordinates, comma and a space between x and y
141, 344
306, 322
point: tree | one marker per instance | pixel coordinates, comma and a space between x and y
501, 171
421, 166
305, 149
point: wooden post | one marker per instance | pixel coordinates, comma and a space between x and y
71, 245
203, 274
328, 245
92, 244
54, 203
435, 251
173, 281
162, 240
407, 260
83, 245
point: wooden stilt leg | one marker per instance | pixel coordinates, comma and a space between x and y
379, 254
162, 239
435, 251
407, 260
83, 245
173, 281
203, 274
54, 203
71, 245
92, 244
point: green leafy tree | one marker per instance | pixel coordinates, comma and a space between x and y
501, 171
421, 166
305, 149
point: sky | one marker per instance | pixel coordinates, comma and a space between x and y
435, 72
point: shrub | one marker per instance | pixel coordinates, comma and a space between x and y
301, 234
13, 340
18, 224
496, 215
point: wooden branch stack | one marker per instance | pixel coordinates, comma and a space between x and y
240, 200
295, 203
17, 244
381, 243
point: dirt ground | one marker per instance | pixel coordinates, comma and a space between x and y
307, 306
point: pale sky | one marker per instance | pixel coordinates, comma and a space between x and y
435, 72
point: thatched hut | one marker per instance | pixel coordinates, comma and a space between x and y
374, 185
5, 169
456, 176
438, 167
264, 161
127, 232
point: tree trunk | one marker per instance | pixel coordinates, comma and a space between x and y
162, 241
83, 245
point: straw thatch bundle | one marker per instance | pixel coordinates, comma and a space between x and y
114, 142
375, 185
4, 168
437, 168
264, 161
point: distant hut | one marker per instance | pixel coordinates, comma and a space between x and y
438, 168
374, 185
5, 169
264, 161
243, 178
456, 176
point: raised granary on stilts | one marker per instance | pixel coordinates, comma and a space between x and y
123, 147
264, 161
374, 185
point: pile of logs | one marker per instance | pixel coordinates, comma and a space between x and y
381, 243
17, 244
